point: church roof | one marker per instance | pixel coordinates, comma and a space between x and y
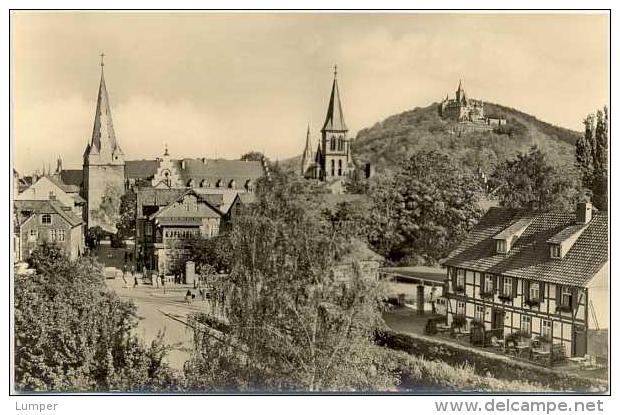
103, 129
140, 169
334, 120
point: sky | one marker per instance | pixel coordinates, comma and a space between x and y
222, 84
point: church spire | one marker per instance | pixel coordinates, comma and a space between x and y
307, 156
103, 139
334, 120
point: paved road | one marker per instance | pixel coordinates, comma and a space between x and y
162, 312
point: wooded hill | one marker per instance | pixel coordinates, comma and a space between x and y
398, 136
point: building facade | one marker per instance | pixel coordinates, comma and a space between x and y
46, 221
543, 275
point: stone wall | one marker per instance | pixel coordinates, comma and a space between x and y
100, 179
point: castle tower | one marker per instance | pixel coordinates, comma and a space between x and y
307, 157
104, 166
335, 160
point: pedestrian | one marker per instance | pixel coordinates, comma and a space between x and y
433, 300
163, 282
135, 281
126, 256
188, 297
124, 273
154, 277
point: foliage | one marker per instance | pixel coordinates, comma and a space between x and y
531, 181
72, 334
299, 317
107, 214
126, 224
94, 236
420, 213
253, 156
591, 156
214, 252
388, 142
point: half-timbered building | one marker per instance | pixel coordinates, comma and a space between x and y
544, 275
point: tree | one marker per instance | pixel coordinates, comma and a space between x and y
108, 211
73, 334
591, 156
126, 224
421, 212
293, 322
253, 156
530, 181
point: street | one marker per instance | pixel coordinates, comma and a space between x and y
162, 312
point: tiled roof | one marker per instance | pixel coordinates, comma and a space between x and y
72, 177
45, 206
199, 169
529, 256
148, 196
140, 169
67, 188
435, 274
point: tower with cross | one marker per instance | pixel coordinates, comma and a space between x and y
334, 152
103, 163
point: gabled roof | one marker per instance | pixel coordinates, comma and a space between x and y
199, 169
203, 198
44, 206
529, 256
72, 177
334, 120
140, 169
67, 188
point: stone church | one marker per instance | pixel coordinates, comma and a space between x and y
332, 160
106, 174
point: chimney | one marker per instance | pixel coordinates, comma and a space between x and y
183, 164
584, 212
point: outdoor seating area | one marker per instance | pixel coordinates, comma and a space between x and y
537, 349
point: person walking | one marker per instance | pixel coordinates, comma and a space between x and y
124, 273
163, 282
135, 281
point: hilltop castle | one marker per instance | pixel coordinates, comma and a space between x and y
461, 108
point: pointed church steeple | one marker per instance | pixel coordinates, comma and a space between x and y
103, 141
307, 157
334, 120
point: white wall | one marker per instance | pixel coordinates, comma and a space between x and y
598, 292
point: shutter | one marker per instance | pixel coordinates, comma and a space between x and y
575, 295
526, 290
515, 283
541, 291
558, 295
500, 285
453, 270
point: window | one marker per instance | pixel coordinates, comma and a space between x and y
46, 218
460, 308
479, 313
526, 324
61, 235
488, 283
52, 234
33, 235
546, 329
501, 246
333, 167
555, 251
460, 278
567, 297
148, 229
507, 288
534, 290
332, 143
339, 167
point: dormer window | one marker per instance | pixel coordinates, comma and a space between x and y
555, 251
501, 246
46, 218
